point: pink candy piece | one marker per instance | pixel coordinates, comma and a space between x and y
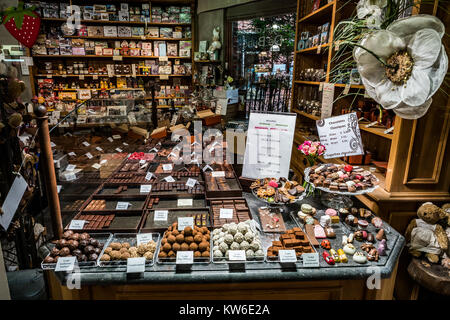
273, 183
319, 232
331, 212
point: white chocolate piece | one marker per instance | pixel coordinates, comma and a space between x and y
359, 257
349, 249
344, 241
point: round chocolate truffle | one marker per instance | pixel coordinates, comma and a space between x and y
105, 257
162, 254
197, 254
54, 252
67, 234
171, 254
167, 247
180, 238
184, 247
203, 246
64, 252
124, 255
198, 238
176, 247
188, 231
175, 232
93, 257
205, 254
126, 245
193, 246
189, 239
171, 239
49, 259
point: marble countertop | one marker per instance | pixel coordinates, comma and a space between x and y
250, 272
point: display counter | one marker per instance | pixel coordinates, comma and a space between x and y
256, 280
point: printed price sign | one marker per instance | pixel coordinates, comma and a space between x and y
98, 149
218, 174
191, 183
110, 139
145, 188
287, 256
135, 265
65, 264
169, 179
160, 215
70, 167
70, 176
226, 213
184, 222
185, 257
148, 176
86, 144
184, 203
96, 166
143, 238
89, 155
77, 224
122, 205
310, 260
119, 150
167, 167
116, 136
72, 154
236, 255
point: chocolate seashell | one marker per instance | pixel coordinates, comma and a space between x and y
54, 252
67, 234
64, 252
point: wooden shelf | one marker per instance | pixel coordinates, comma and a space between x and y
144, 38
376, 131
313, 83
318, 15
106, 76
102, 56
207, 61
338, 85
314, 49
307, 115
138, 23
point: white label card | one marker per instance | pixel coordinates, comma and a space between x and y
110, 139
70, 176
310, 260
184, 222
371, 124
327, 100
169, 179
116, 136
135, 265
103, 161
13, 198
287, 256
58, 188
236, 255
117, 58
143, 238
119, 150
218, 174
77, 224
72, 154
347, 88
148, 176
96, 166
142, 161
207, 167
191, 183
65, 264
70, 167
86, 144
98, 149
184, 203
185, 257
145, 188
160, 215
167, 167
163, 58
389, 130
52, 144
125, 144
226, 213
122, 205
89, 155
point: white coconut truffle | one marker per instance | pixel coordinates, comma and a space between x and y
242, 228
234, 246
259, 253
215, 248
216, 237
238, 237
244, 245
221, 234
223, 247
232, 229
255, 246
225, 227
218, 254
249, 254
216, 232
228, 239
249, 236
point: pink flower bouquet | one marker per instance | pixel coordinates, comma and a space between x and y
312, 150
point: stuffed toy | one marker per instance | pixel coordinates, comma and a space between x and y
425, 235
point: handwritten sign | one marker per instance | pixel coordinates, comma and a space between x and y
160, 215
327, 100
184, 222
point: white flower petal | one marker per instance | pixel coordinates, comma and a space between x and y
424, 47
388, 94
417, 88
406, 27
379, 3
411, 113
370, 89
372, 71
438, 71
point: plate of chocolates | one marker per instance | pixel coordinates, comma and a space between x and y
277, 191
341, 179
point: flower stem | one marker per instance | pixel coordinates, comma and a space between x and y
372, 53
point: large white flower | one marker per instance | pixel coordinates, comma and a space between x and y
418, 63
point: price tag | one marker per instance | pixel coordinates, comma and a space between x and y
70, 176
184, 203
167, 167
94, 77
191, 183
103, 161
215, 144
185, 257
72, 154
236, 255
70, 167
184, 222
89, 155
319, 48
58, 188
49, 76
195, 143
163, 58
287, 256
226, 213
153, 150
110, 139
218, 174
336, 45
122, 205
347, 88
65, 264
160, 215
389, 130
96, 166
169, 179
143, 238
67, 134
148, 176
310, 260
116, 136
142, 161
125, 144
371, 124
98, 149
81, 77
86, 144
145, 188
321, 86
117, 58
118, 150
172, 155
77, 224
52, 144
207, 167
135, 265
164, 77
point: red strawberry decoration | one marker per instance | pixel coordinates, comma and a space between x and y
348, 168
23, 24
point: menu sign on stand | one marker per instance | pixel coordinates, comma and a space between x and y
269, 145
340, 135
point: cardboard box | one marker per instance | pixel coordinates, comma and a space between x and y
159, 133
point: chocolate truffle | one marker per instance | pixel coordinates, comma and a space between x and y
180, 238
162, 254
197, 254
176, 247
193, 246
64, 252
203, 246
188, 231
171, 239
198, 238
184, 247
189, 239
54, 252
126, 245
115, 245
205, 254
49, 259
124, 255
105, 257
171, 254
123, 250
167, 247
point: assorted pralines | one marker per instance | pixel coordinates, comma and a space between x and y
275, 190
117, 251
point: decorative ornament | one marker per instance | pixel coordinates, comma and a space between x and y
23, 24
403, 66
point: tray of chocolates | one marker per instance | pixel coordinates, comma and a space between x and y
109, 222
221, 184
341, 179
196, 239
293, 239
122, 246
277, 191
240, 211
126, 204
121, 191
85, 246
70, 206
178, 188
130, 178
160, 220
271, 219
171, 202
